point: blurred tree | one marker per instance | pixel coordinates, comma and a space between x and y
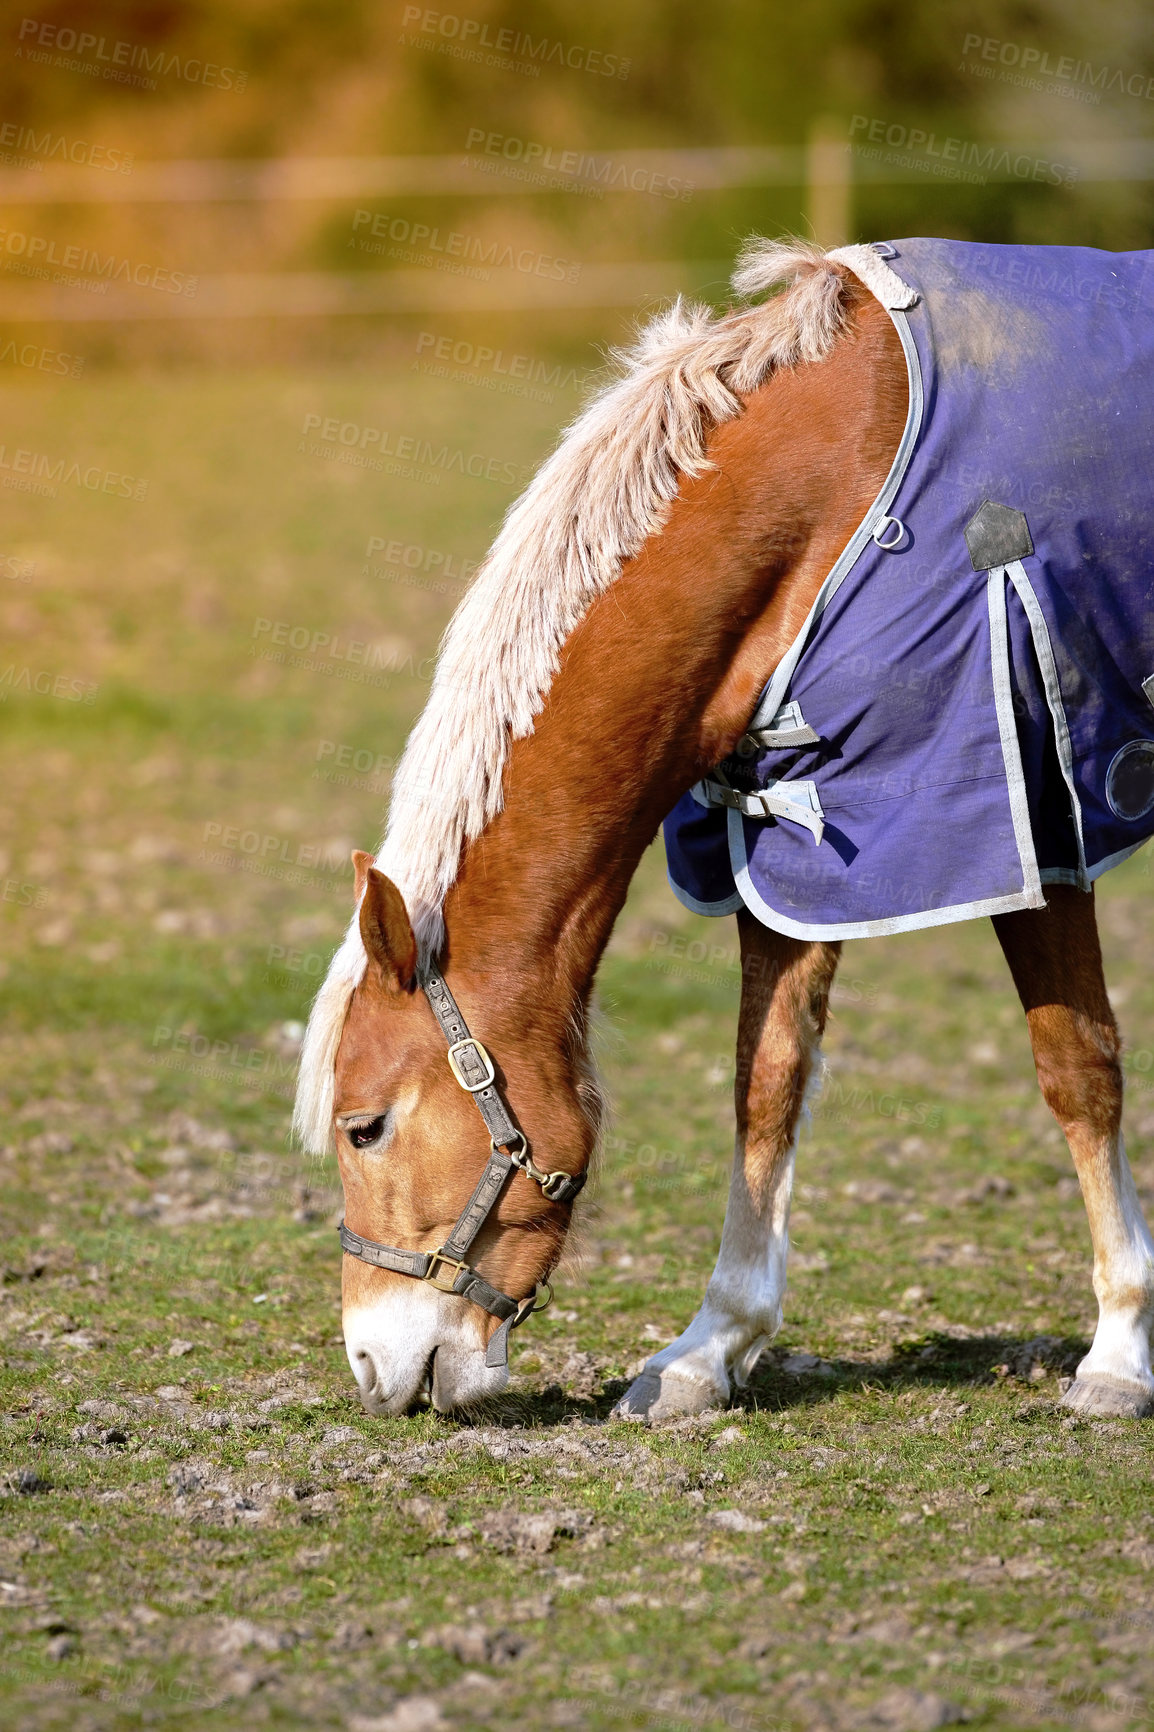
351, 78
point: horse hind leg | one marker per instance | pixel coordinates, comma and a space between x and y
1056, 962
784, 998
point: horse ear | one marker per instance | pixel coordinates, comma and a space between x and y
386, 931
361, 864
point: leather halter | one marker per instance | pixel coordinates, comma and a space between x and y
447, 1268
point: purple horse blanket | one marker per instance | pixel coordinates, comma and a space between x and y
968, 712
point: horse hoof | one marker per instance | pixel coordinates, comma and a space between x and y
658, 1395
1103, 1397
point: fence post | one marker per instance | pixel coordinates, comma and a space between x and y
828, 187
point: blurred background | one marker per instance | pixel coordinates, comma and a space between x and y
293, 298
293, 174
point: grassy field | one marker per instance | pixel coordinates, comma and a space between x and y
897, 1527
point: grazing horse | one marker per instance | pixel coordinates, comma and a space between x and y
669, 558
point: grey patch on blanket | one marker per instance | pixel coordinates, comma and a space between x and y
997, 535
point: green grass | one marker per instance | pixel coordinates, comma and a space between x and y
919, 1523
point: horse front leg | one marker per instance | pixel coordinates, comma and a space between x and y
1056, 962
784, 998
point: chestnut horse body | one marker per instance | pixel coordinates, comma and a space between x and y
775, 432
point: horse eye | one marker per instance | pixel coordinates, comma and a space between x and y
360, 1136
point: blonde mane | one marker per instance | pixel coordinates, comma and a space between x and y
593, 504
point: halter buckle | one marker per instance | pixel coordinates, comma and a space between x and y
442, 1282
474, 1046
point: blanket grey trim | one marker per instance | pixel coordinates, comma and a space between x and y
1030, 895
1113, 859
773, 698
1008, 729
774, 695
729, 905
856, 928
1044, 651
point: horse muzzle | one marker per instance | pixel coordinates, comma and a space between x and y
416, 1343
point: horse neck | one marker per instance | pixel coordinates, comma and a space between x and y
659, 679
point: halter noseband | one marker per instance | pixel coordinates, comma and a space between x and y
447, 1268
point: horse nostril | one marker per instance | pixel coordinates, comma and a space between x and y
364, 1369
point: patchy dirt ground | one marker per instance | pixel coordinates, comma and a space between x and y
897, 1527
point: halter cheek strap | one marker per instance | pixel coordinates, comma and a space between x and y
447, 1268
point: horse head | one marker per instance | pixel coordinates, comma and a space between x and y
412, 1147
